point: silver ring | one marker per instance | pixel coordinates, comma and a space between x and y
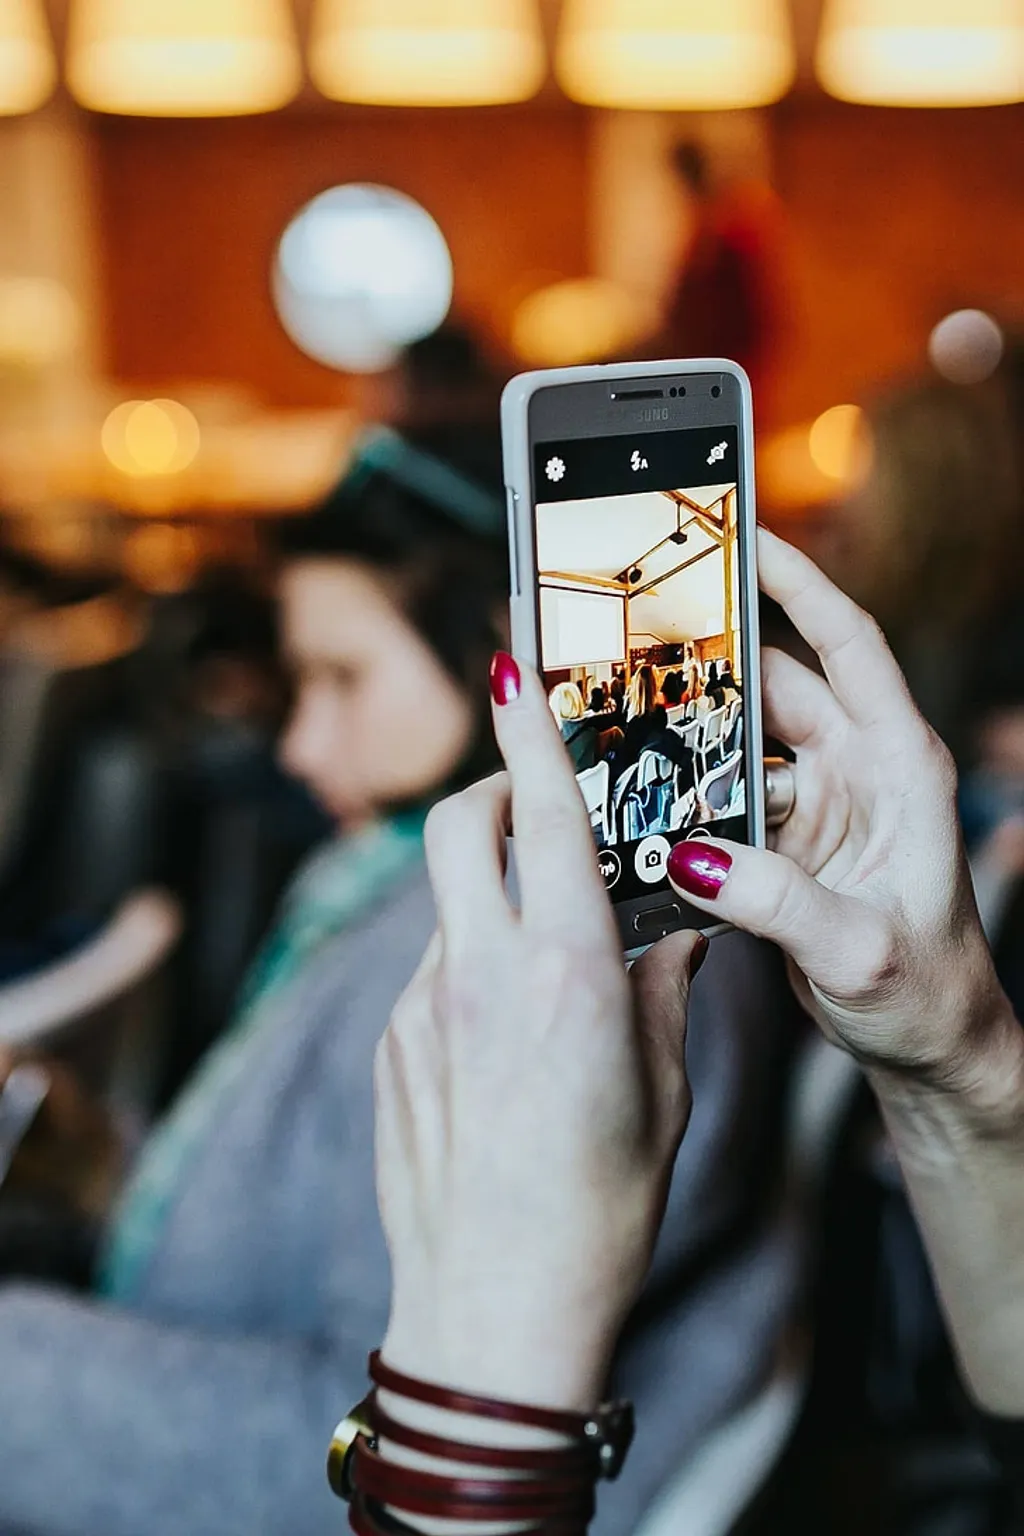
779, 790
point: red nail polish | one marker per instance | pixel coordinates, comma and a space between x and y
699, 869
505, 679
698, 955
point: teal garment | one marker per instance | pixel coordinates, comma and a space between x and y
336, 886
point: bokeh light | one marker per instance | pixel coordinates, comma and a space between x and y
966, 347
28, 68
840, 444
581, 320
666, 55
183, 58
151, 438
922, 53
402, 53
361, 272
40, 322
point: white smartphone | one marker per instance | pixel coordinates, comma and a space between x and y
634, 592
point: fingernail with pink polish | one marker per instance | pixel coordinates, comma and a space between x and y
699, 869
505, 679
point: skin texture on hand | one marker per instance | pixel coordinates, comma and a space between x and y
530, 1095
867, 889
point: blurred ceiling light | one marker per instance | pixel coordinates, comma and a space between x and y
361, 272
923, 53
839, 444
40, 322
966, 347
28, 68
149, 438
665, 55
581, 320
183, 58
427, 53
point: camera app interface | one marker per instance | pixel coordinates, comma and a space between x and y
640, 623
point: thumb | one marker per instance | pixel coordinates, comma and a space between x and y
661, 992
766, 894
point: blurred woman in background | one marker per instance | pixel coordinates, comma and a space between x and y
233, 1304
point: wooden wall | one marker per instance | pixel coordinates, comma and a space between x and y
192, 212
895, 217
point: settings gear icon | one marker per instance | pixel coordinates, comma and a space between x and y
554, 469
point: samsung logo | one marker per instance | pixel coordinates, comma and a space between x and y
653, 413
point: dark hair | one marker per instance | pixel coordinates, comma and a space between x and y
713, 674
672, 689
691, 165
596, 700
450, 578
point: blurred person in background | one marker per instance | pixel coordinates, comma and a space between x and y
727, 299
232, 1304
933, 541
243, 1272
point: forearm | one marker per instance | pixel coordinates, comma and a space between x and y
961, 1151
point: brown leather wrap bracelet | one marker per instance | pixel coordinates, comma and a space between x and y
463, 1498
369, 1518
609, 1430
578, 1460
549, 1487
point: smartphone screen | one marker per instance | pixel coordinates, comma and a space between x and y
641, 622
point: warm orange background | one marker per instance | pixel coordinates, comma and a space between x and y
880, 243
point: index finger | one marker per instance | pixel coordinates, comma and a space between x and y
858, 663
560, 887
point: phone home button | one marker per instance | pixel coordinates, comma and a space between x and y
655, 923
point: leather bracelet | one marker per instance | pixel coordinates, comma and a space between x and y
572, 1459
369, 1518
417, 1492
609, 1430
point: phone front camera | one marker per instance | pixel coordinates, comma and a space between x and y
716, 390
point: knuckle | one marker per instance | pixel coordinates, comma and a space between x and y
879, 963
444, 822
942, 765
787, 906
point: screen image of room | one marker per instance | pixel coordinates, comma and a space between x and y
641, 653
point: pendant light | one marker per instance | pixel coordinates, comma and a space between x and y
28, 70
183, 58
664, 55
427, 53
923, 53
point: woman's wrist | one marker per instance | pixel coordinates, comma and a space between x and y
552, 1363
976, 1087
960, 1146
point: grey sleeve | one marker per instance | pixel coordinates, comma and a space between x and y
116, 1426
